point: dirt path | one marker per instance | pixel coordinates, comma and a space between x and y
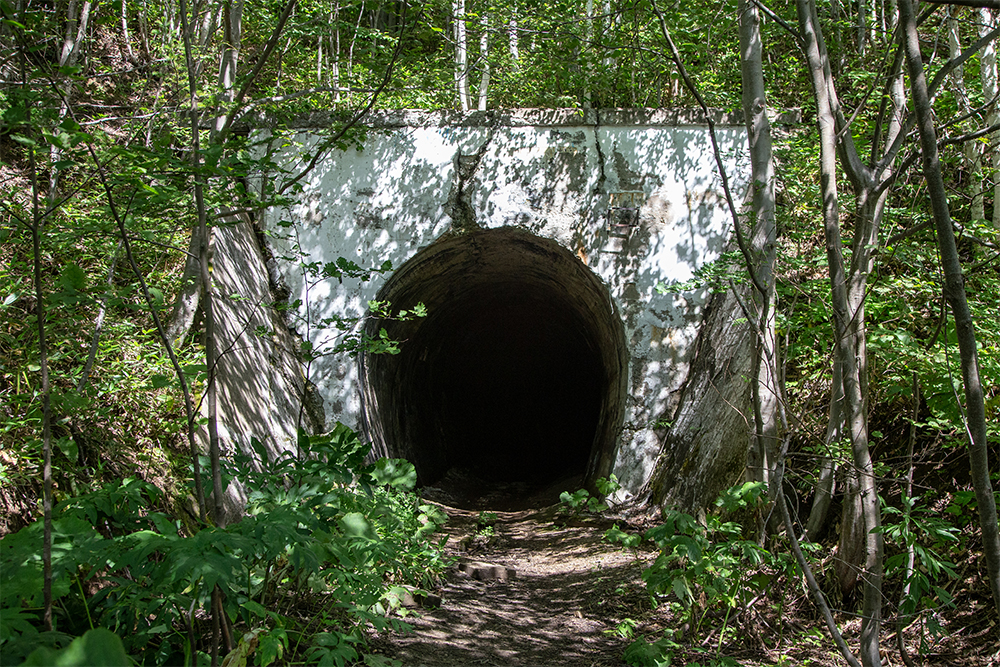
568, 592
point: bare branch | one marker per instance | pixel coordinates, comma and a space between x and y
679, 64
989, 4
332, 141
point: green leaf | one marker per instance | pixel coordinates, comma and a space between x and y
73, 278
269, 649
160, 381
643, 654
255, 608
356, 524
681, 590
97, 648
397, 473
68, 447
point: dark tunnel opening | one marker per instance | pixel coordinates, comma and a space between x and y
516, 375
514, 390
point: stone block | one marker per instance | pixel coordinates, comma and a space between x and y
487, 571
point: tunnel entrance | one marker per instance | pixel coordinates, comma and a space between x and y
516, 375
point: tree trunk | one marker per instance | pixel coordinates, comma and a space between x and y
763, 451
826, 482
126, 39
334, 51
854, 403
973, 162
512, 37
870, 197
862, 26
205, 276
954, 293
76, 31
350, 49
43, 362
233, 24
484, 52
461, 56
988, 76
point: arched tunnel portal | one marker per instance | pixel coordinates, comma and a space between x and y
516, 374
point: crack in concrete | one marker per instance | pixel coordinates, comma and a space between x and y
459, 208
602, 178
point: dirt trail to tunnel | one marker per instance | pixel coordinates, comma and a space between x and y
572, 589
569, 592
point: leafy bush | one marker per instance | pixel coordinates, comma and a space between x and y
308, 572
705, 566
581, 501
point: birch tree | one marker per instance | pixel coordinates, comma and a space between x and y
971, 149
484, 52
461, 55
77, 26
988, 80
763, 449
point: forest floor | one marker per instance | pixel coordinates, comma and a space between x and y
572, 598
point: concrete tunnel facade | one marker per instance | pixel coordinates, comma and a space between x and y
538, 240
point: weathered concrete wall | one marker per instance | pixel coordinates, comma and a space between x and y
260, 378
556, 174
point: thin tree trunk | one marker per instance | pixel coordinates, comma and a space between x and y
838, 38
870, 199
807, 573
76, 31
129, 52
973, 162
43, 362
227, 71
484, 52
988, 76
512, 38
763, 249
98, 324
862, 26
610, 24
334, 52
903, 618
233, 24
350, 50
845, 352
144, 30
823, 491
826, 482
461, 56
206, 285
210, 21
319, 58
954, 293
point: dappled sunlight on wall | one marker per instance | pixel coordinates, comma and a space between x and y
554, 174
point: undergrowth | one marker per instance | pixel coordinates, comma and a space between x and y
718, 587
314, 568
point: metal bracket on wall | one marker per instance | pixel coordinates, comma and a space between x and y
622, 216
